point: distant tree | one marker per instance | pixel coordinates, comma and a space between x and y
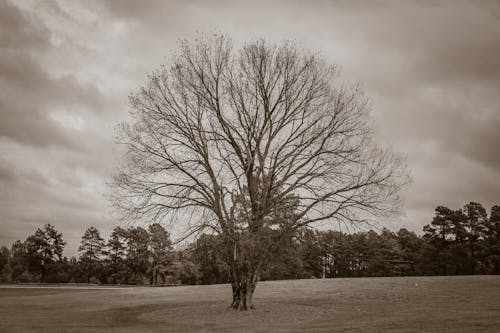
447, 224
6, 276
4, 256
59, 272
137, 255
446, 252
312, 253
334, 253
75, 272
337, 254
230, 136
91, 250
160, 251
382, 256
92, 245
458, 240
18, 260
475, 225
5, 269
43, 249
410, 245
186, 272
208, 254
492, 241
116, 252
284, 258
184, 267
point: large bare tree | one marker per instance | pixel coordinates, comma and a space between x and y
231, 140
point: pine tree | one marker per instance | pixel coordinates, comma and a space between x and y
91, 249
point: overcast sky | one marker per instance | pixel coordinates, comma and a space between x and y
431, 70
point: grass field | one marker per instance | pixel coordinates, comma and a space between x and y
415, 304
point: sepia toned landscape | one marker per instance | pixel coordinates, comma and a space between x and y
249, 166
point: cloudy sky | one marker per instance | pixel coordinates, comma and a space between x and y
431, 70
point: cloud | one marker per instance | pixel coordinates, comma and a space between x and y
431, 70
433, 73
55, 132
17, 30
28, 93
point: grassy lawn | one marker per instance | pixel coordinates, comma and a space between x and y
415, 304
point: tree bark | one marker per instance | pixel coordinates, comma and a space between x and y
244, 267
243, 286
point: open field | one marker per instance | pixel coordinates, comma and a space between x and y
414, 304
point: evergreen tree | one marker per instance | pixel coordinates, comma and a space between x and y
43, 249
492, 241
91, 250
160, 252
116, 251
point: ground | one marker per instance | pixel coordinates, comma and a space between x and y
411, 304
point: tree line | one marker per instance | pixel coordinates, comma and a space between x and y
461, 241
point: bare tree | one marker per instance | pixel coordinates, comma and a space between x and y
234, 138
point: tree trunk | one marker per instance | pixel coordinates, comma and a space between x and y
243, 286
245, 263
